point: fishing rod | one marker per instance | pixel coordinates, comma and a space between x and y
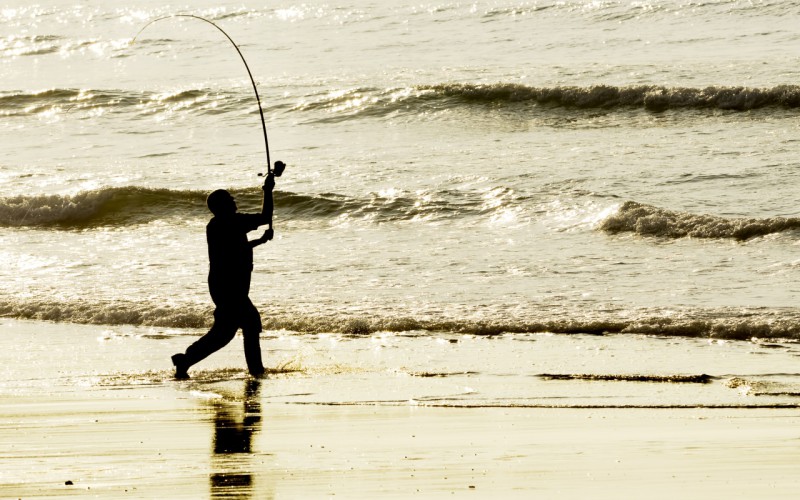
279, 165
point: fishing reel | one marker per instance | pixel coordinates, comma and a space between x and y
277, 170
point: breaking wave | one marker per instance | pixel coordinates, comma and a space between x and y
650, 97
344, 104
648, 220
712, 324
122, 206
420, 99
114, 206
208, 101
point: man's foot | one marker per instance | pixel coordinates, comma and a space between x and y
257, 373
181, 368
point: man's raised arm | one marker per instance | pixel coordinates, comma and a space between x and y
267, 207
267, 203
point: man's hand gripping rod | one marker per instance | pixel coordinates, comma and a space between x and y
269, 180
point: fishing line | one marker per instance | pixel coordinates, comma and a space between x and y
279, 166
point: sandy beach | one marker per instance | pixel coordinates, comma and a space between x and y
137, 447
522, 249
104, 419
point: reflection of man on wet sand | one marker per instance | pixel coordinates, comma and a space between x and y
231, 264
234, 434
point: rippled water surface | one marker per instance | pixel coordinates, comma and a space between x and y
478, 167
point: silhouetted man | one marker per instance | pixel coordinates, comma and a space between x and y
230, 256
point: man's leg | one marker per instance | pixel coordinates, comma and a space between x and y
221, 333
252, 353
251, 330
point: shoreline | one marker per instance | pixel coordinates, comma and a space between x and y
97, 407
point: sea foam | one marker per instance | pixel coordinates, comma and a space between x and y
722, 323
648, 220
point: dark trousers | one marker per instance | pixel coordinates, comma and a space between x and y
233, 311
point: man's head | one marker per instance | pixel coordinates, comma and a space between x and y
220, 202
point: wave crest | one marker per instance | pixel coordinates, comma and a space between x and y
122, 206
648, 220
209, 101
107, 206
650, 97
716, 324
415, 100
420, 99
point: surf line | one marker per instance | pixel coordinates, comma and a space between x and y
279, 165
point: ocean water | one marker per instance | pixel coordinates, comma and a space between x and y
482, 168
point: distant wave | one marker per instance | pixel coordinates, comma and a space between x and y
33, 45
209, 101
380, 102
653, 221
721, 324
375, 101
651, 97
122, 206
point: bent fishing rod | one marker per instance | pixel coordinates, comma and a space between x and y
279, 165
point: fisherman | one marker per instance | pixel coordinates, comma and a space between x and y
230, 255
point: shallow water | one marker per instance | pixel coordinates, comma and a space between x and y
411, 369
479, 167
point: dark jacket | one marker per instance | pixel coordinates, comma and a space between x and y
230, 254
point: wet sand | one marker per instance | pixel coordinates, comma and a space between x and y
69, 428
138, 446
